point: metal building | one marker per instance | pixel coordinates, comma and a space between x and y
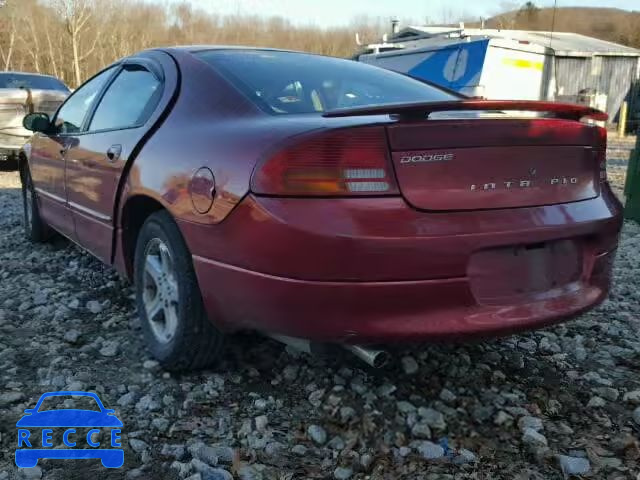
576, 68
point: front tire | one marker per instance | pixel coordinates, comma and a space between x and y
35, 228
172, 314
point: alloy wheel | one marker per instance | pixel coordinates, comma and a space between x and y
160, 290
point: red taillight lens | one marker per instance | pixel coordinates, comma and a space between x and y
338, 163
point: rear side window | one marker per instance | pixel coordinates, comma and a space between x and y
129, 100
290, 83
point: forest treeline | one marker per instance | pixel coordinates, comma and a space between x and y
612, 24
72, 39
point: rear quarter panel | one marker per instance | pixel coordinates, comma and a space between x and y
213, 125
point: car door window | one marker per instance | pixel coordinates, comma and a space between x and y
73, 112
129, 100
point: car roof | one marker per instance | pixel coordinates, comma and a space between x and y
28, 73
202, 48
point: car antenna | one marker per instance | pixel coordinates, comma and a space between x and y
553, 21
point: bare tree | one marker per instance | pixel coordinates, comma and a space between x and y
64, 38
30, 34
9, 26
76, 15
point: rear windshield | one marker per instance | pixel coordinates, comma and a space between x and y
37, 82
290, 83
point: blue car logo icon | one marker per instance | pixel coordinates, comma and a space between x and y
69, 419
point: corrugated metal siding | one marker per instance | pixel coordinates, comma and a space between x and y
611, 75
547, 89
617, 78
572, 75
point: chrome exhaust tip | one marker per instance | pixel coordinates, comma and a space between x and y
373, 358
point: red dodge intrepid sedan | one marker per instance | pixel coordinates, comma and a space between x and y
321, 200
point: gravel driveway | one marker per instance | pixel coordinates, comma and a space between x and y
543, 405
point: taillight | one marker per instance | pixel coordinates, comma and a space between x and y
601, 153
337, 163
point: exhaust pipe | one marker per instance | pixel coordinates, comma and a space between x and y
374, 358
299, 344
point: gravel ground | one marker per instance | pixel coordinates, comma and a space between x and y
545, 405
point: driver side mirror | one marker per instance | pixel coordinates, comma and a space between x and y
30, 410
37, 122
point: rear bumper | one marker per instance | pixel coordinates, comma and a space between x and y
8, 159
8, 154
375, 312
376, 270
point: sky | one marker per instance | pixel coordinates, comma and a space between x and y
328, 13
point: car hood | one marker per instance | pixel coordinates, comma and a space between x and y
69, 418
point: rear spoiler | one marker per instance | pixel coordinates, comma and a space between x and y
567, 111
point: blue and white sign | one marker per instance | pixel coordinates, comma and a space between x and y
63, 423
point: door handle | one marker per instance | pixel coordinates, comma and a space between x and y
113, 154
64, 150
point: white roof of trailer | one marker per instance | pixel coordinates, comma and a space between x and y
561, 43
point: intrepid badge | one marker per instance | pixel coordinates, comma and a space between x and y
519, 184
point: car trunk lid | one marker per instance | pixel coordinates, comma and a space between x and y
482, 163
16, 102
490, 160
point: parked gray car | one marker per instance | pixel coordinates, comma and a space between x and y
22, 93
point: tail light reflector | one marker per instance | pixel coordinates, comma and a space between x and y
602, 162
347, 162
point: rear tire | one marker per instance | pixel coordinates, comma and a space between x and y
35, 228
172, 314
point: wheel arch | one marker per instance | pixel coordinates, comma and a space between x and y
135, 211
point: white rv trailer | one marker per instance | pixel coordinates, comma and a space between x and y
512, 64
